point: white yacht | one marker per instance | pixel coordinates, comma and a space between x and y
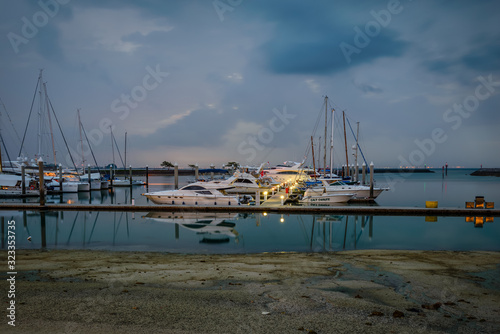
192, 194
286, 173
241, 183
339, 187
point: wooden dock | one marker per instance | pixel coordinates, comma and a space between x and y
269, 208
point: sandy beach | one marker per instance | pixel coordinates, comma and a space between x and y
84, 291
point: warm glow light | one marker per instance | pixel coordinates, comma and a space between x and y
264, 214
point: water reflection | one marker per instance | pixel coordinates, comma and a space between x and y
186, 232
214, 227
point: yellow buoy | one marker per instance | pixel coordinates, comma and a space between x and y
431, 204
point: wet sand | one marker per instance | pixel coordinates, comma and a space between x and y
84, 291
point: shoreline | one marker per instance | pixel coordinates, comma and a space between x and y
375, 291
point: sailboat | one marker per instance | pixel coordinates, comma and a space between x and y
333, 187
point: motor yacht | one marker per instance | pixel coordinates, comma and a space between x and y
192, 194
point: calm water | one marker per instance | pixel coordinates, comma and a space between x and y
249, 233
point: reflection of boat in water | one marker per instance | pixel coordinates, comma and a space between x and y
192, 194
214, 227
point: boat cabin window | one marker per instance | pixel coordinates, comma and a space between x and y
243, 181
193, 188
204, 192
288, 172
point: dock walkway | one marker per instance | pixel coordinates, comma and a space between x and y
285, 209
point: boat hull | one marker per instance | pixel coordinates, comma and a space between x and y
192, 200
328, 198
359, 192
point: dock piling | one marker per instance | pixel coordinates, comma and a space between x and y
130, 174
371, 179
176, 176
363, 173
60, 178
23, 180
41, 181
90, 182
147, 175
111, 176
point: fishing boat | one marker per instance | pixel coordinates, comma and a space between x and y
192, 194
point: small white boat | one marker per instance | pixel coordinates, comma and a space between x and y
126, 183
104, 184
192, 194
95, 180
339, 187
327, 198
64, 186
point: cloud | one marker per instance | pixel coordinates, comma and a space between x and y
108, 29
307, 41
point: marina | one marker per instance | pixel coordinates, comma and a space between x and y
106, 218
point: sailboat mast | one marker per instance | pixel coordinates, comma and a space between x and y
81, 137
312, 149
125, 148
331, 145
112, 148
50, 122
356, 153
40, 116
326, 122
345, 141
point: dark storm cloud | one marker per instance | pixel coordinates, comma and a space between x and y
307, 39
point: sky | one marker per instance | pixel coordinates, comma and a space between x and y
209, 82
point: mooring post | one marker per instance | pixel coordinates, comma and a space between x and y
60, 178
111, 176
23, 180
257, 198
176, 176
357, 172
90, 182
371, 179
41, 181
130, 174
363, 174
196, 172
147, 175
